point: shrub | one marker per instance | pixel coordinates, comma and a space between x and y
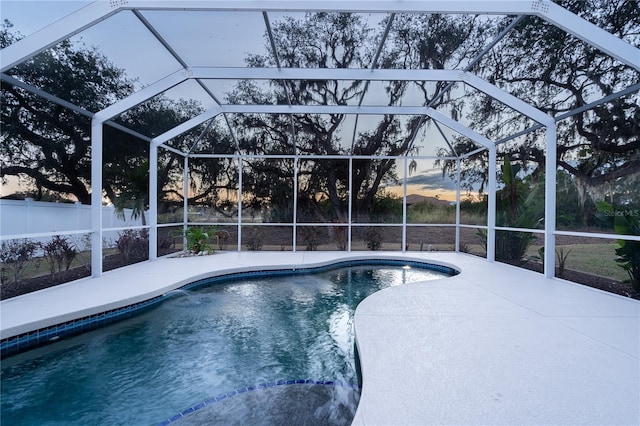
561, 257
385, 206
426, 212
340, 237
512, 246
133, 244
59, 252
374, 238
222, 238
198, 239
625, 222
520, 206
16, 255
254, 239
311, 236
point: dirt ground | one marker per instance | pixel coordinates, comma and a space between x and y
418, 238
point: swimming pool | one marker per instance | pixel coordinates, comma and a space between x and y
199, 344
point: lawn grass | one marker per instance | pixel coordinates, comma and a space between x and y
445, 215
595, 259
40, 266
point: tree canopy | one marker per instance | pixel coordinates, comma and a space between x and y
341, 40
49, 145
556, 73
46, 142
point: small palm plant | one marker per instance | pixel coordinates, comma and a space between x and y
199, 239
520, 205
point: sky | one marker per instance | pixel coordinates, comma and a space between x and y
131, 47
29, 16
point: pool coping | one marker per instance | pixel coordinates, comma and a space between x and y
113, 290
25, 337
584, 343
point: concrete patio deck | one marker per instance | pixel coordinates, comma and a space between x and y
493, 345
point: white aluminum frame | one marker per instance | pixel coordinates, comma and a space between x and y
100, 10
103, 9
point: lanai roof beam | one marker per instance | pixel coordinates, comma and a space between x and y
56, 100
46, 95
160, 38
372, 65
583, 108
469, 67
545, 9
171, 50
276, 58
446, 139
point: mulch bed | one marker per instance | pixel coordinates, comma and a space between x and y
595, 281
45, 281
115, 261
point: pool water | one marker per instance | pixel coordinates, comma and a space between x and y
196, 345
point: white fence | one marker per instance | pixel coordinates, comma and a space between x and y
19, 217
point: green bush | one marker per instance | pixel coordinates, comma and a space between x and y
510, 245
374, 238
311, 237
254, 239
520, 205
426, 212
198, 239
625, 222
16, 255
386, 206
133, 244
340, 237
59, 252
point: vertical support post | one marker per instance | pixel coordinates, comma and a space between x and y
295, 202
350, 206
153, 201
96, 198
491, 208
550, 201
185, 201
239, 203
404, 204
457, 205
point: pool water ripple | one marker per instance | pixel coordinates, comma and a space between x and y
197, 345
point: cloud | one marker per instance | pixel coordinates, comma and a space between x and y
431, 180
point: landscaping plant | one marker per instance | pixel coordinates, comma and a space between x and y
133, 244
625, 222
311, 237
59, 252
519, 206
374, 238
254, 239
16, 255
199, 239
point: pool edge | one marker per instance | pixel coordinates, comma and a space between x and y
41, 332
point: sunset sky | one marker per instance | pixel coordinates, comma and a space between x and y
28, 16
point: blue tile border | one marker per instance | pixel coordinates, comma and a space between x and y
44, 336
33, 339
259, 386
